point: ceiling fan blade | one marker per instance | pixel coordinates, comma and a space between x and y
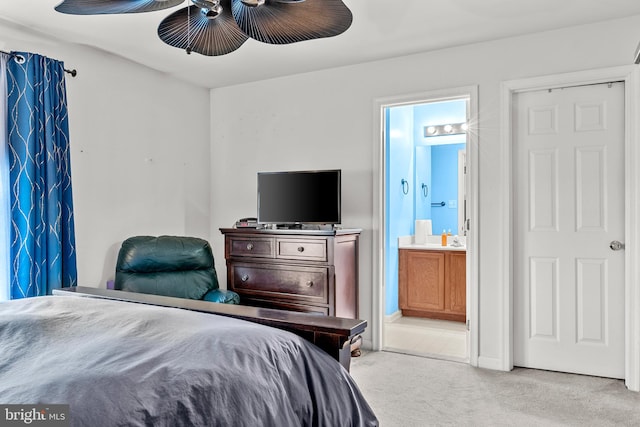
211, 37
277, 22
103, 7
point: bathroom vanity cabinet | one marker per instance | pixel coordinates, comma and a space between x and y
432, 283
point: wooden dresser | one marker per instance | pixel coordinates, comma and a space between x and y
314, 271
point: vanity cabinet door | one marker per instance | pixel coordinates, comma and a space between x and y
421, 281
456, 282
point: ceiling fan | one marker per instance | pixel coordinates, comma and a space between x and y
218, 27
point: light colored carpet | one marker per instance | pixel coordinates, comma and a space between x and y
406, 391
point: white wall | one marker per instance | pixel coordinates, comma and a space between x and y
325, 120
139, 151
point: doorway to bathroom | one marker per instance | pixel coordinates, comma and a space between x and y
425, 307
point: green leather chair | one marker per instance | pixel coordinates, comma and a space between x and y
174, 266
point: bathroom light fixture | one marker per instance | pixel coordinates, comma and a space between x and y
446, 129
218, 27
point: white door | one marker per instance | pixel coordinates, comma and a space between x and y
569, 206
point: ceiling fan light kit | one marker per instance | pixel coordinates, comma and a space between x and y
218, 27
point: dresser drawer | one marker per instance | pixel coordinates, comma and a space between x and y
251, 247
309, 284
306, 249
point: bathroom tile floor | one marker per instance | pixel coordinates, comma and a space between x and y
439, 339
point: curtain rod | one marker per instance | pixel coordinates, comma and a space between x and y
16, 55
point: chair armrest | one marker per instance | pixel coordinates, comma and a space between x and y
222, 296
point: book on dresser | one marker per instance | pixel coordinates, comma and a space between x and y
313, 271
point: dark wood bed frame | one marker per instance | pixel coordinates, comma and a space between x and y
331, 334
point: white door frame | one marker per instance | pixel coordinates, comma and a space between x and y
378, 234
630, 76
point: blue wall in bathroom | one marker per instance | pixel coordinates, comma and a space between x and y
423, 176
399, 209
407, 149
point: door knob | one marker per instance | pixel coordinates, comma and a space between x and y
616, 246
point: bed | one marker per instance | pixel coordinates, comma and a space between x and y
116, 362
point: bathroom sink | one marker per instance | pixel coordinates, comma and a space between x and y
431, 246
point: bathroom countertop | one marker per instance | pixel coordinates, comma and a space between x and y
407, 242
432, 247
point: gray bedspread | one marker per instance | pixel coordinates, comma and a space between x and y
118, 363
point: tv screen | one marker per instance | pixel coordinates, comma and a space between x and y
300, 197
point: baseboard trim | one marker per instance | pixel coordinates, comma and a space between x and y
493, 363
367, 344
393, 317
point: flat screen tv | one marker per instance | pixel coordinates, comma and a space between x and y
299, 197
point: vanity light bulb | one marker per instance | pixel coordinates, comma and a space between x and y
431, 130
448, 128
464, 127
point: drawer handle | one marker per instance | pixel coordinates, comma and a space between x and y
249, 246
245, 277
310, 283
300, 248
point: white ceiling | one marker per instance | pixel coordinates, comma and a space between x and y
381, 29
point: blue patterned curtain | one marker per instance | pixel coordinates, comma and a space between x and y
5, 220
42, 230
